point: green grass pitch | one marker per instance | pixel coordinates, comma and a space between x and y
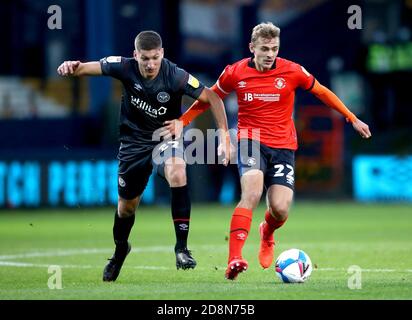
377, 238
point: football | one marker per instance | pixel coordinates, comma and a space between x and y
293, 266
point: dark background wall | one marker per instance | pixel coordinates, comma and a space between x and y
370, 67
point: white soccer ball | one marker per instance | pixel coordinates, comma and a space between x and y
293, 266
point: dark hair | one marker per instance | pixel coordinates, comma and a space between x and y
148, 40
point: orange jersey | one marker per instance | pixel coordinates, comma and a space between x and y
266, 99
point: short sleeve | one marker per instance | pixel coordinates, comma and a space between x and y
225, 81
305, 80
189, 84
113, 66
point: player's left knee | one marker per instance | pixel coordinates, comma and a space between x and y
177, 177
280, 210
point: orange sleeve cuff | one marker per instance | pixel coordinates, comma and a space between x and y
198, 107
331, 100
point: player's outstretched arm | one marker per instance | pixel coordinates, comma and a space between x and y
198, 107
78, 69
175, 127
217, 107
331, 100
208, 97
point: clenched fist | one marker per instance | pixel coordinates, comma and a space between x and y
68, 68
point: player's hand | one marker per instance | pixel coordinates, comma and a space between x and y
225, 149
171, 128
68, 68
362, 128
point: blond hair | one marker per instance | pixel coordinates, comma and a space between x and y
266, 30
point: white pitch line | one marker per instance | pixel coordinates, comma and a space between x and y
40, 265
364, 270
72, 266
72, 252
54, 253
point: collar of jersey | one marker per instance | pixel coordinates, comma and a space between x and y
251, 64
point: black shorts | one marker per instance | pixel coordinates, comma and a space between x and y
277, 165
134, 173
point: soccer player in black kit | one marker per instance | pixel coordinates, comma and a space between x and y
152, 92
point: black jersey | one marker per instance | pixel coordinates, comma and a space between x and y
146, 104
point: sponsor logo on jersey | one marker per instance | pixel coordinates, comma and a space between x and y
242, 84
193, 81
163, 97
114, 59
147, 108
137, 87
280, 83
267, 97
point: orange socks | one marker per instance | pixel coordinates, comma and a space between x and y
240, 227
271, 224
239, 230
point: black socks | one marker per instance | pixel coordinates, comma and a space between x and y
181, 214
122, 228
180, 203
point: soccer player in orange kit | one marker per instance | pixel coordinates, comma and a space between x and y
265, 86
